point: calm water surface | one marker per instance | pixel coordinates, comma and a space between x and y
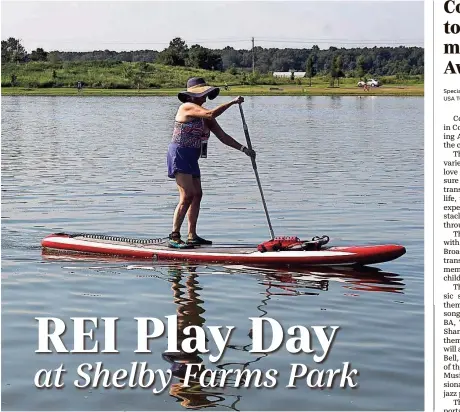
348, 167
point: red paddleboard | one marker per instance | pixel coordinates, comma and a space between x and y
152, 249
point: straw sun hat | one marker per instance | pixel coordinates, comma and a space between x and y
197, 87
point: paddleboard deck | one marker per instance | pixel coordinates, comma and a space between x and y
158, 250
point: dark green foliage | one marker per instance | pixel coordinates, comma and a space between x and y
39, 55
12, 51
310, 69
232, 70
337, 69
203, 58
175, 54
379, 61
360, 66
172, 66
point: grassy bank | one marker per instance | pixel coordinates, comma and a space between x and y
134, 79
261, 90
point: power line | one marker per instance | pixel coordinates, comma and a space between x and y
262, 39
341, 38
355, 42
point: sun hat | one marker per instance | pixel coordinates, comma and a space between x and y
197, 87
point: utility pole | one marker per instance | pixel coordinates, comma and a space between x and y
253, 59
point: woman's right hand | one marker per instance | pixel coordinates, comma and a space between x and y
238, 100
249, 152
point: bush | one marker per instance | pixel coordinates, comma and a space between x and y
113, 85
47, 84
254, 78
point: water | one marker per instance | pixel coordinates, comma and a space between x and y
348, 167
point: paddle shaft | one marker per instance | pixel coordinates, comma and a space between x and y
254, 166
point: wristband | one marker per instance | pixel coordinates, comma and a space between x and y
242, 148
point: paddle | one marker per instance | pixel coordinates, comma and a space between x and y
254, 166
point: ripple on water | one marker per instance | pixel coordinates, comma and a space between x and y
322, 173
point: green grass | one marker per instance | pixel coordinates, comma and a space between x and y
106, 78
289, 90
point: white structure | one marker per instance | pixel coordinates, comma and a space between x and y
288, 74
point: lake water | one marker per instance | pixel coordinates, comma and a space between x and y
348, 167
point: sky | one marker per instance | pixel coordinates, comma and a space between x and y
137, 25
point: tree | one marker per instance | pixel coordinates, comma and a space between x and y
12, 51
310, 70
232, 70
339, 68
231, 57
253, 78
39, 55
6, 56
333, 71
379, 61
360, 66
336, 70
175, 54
53, 57
136, 77
203, 58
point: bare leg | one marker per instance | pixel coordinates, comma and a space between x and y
186, 188
194, 209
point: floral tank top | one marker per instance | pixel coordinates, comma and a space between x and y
190, 134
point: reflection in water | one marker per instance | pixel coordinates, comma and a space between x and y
185, 285
294, 281
186, 295
186, 289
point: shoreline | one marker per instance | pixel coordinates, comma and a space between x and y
281, 90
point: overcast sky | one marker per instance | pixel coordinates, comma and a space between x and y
133, 25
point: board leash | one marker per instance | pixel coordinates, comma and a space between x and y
120, 238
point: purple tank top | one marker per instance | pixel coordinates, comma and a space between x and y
190, 134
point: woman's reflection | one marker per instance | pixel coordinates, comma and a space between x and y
186, 292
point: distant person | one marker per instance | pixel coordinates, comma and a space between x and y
192, 127
366, 87
79, 86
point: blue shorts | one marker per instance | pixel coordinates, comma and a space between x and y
183, 160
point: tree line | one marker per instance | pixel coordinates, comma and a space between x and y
336, 62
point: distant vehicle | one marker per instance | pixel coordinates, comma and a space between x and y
373, 83
361, 84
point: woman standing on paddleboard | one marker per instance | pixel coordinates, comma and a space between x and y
192, 127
